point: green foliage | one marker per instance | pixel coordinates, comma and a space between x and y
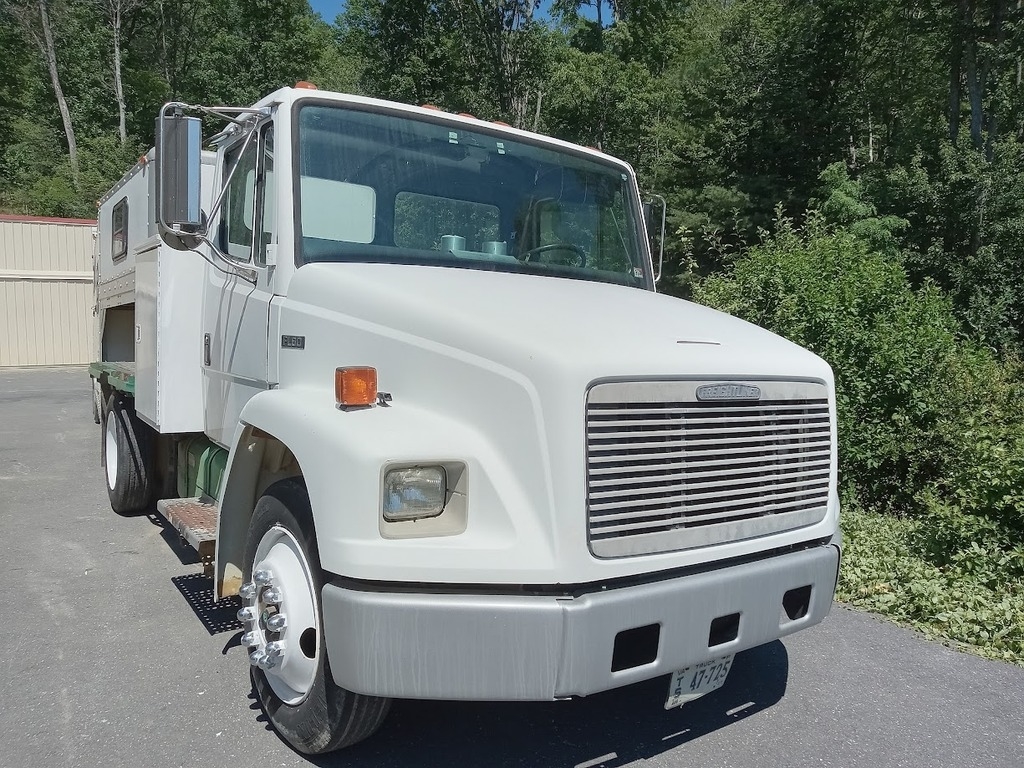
461, 55
207, 51
987, 477
845, 204
966, 230
266, 45
951, 575
408, 51
616, 95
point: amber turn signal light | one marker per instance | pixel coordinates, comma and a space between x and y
355, 386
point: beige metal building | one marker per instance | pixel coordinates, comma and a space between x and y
46, 294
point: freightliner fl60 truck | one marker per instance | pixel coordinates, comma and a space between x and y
404, 379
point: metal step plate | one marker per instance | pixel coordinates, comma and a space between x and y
195, 521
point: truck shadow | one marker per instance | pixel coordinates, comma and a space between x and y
610, 729
218, 617
607, 730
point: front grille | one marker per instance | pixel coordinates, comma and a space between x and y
666, 471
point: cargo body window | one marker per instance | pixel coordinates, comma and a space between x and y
119, 231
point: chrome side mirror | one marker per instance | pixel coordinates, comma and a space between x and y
179, 147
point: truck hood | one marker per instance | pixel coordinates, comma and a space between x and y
489, 371
586, 330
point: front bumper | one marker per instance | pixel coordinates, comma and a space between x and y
537, 648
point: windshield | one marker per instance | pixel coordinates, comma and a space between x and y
377, 187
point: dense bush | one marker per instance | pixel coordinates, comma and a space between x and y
987, 476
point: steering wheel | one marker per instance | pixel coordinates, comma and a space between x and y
581, 255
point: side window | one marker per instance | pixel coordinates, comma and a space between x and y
238, 208
119, 230
267, 196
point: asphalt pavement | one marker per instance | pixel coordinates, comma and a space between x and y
111, 654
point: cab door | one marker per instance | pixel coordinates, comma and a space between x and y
236, 305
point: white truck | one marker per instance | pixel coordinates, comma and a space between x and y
404, 380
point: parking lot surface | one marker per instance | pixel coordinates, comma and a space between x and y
113, 656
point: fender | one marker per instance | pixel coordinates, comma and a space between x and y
299, 431
280, 434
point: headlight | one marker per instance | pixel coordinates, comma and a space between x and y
414, 493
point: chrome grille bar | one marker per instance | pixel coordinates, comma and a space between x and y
666, 471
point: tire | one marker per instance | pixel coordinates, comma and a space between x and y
97, 402
298, 694
127, 456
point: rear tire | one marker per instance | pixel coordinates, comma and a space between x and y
127, 456
298, 693
97, 402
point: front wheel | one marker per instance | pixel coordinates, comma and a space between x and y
284, 630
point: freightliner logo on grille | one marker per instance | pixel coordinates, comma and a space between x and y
728, 392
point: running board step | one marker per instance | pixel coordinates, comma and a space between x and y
195, 521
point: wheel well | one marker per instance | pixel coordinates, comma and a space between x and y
259, 461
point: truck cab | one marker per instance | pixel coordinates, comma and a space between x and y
466, 449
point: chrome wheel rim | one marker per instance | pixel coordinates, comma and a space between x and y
279, 611
110, 450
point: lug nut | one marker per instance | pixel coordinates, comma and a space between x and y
272, 595
267, 662
262, 577
256, 658
275, 648
250, 639
277, 622
247, 614
247, 591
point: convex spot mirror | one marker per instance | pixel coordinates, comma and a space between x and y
179, 145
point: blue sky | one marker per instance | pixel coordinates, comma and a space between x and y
328, 9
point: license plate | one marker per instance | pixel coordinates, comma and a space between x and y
693, 682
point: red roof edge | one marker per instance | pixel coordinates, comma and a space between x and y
46, 220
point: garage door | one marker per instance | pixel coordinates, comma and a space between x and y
46, 293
